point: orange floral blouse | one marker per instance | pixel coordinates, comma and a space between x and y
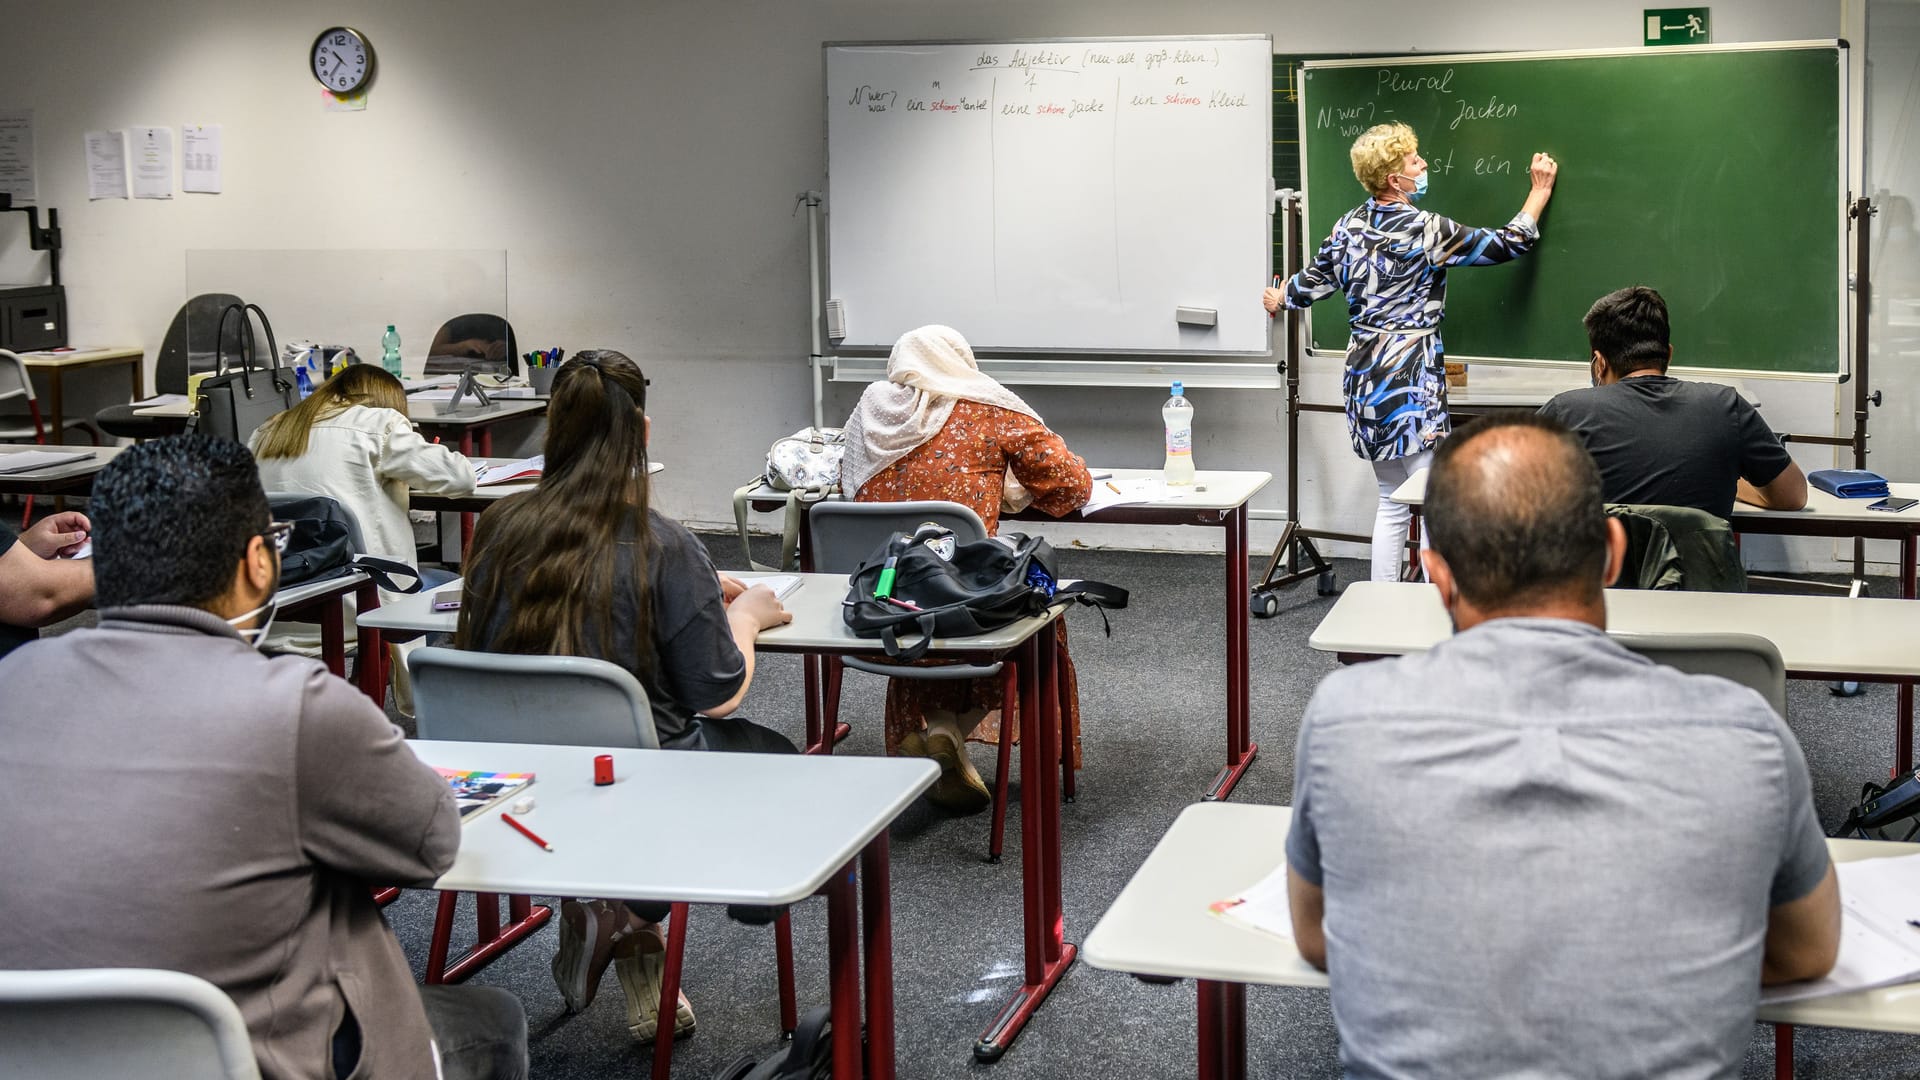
969, 457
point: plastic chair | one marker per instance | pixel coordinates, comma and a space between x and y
840, 536
1747, 659
567, 701
16, 383
94, 1022
191, 345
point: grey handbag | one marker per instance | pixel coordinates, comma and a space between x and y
233, 403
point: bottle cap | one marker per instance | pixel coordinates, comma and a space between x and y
1179, 390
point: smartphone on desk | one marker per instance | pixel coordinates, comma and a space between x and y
447, 600
1893, 504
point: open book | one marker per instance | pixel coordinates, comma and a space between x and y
511, 472
1261, 906
1879, 938
475, 791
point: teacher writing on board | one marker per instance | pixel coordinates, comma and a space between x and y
1391, 262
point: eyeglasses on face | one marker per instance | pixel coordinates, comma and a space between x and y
278, 533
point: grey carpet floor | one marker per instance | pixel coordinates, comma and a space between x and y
1154, 731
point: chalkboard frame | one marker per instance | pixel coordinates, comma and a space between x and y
1049, 365
1842, 232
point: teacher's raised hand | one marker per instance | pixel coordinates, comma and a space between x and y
1544, 171
1271, 301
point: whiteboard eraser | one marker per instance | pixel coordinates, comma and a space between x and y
1196, 316
836, 318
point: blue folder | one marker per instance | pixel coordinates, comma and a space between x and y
1849, 483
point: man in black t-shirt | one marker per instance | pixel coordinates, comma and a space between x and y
36, 586
1662, 440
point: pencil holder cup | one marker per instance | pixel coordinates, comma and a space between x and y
541, 379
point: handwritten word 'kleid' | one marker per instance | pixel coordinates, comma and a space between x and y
1392, 82
1223, 100
1494, 109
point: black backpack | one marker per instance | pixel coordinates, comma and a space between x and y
1889, 811
937, 587
321, 547
808, 1057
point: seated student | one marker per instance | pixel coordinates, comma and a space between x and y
583, 566
939, 429
1666, 441
1529, 851
37, 586
351, 440
201, 807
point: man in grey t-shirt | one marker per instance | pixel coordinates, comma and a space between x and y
1531, 852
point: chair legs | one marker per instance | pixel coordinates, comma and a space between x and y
670, 983
490, 938
1009, 723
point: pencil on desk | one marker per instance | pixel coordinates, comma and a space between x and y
524, 831
1116, 490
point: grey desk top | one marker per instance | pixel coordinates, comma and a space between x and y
1821, 507
1160, 923
53, 474
1824, 634
765, 828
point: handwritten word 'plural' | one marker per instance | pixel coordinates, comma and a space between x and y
1494, 109
1392, 82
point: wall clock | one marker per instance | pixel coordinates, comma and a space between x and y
342, 59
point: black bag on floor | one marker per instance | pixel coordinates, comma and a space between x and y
927, 583
1886, 812
321, 547
808, 1057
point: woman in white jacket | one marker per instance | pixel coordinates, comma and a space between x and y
351, 440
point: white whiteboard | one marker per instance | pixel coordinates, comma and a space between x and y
1061, 196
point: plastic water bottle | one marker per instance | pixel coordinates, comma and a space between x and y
390, 351
1178, 414
302, 380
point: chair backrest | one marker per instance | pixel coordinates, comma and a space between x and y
83, 1024
842, 534
14, 380
1747, 659
497, 697
480, 341
192, 343
277, 499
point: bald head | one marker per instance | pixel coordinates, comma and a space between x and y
1514, 508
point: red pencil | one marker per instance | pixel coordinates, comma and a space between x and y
524, 831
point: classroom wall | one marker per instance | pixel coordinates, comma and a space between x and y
639, 164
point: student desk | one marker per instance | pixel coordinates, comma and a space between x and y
327, 598
818, 629
772, 830
1160, 927
56, 365
473, 425
1819, 637
75, 478
1222, 505
481, 498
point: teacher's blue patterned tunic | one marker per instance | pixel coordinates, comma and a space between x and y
1391, 262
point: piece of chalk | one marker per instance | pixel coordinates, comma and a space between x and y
523, 806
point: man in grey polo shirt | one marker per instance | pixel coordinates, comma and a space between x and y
1531, 852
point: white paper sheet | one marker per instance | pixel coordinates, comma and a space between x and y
783, 585
1262, 906
200, 158
29, 460
1878, 945
106, 164
16, 155
510, 473
151, 162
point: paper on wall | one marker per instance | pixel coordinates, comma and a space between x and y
200, 158
16, 155
106, 164
152, 162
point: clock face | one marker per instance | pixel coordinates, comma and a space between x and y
342, 60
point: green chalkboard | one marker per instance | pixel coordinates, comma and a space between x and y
1714, 175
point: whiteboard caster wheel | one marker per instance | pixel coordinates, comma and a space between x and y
1264, 605
1324, 583
1846, 689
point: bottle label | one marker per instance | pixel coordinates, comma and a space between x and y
1179, 440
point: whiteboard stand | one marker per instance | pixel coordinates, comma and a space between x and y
1296, 541
816, 334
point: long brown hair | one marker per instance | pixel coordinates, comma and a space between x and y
285, 436
542, 567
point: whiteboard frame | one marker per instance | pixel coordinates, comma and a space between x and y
1845, 172
1038, 367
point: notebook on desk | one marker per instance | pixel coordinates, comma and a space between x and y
475, 791
29, 460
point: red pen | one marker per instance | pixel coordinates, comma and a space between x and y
524, 831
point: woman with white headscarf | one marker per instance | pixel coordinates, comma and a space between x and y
940, 429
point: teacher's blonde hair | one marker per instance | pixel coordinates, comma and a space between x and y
1380, 150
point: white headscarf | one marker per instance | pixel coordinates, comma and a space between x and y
930, 369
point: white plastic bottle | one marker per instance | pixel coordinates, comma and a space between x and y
1178, 414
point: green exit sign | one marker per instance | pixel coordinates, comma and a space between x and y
1677, 26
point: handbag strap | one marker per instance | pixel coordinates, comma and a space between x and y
383, 572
